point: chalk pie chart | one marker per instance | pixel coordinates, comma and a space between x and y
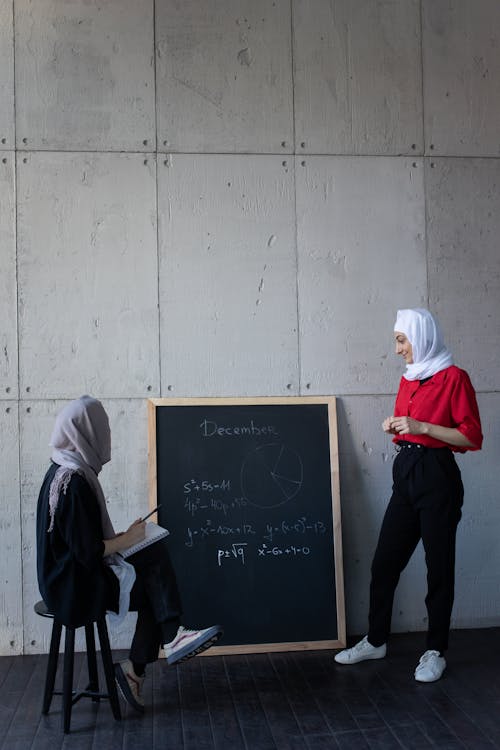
271, 475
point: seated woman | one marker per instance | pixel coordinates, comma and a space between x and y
80, 574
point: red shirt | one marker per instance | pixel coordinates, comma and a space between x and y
447, 399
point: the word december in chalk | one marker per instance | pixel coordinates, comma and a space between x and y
209, 429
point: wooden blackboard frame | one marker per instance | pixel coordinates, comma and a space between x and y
330, 402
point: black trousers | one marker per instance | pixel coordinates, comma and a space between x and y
155, 598
425, 504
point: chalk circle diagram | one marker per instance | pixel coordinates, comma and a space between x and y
271, 475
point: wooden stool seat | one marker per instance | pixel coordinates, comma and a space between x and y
70, 696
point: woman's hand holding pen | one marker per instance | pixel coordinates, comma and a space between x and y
135, 533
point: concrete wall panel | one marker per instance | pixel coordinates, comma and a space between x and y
365, 455
227, 276
11, 615
361, 248
8, 297
463, 204
7, 76
478, 551
36, 420
357, 77
461, 45
224, 77
85, 75
87, 275
124, 482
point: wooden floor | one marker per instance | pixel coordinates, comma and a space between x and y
262, 702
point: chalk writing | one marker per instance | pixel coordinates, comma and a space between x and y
235, 552
193, 505
301, 526
204, 532
210, 428
203, 485
205, 495
290, 550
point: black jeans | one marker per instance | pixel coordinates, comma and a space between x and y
155, 598
425, 504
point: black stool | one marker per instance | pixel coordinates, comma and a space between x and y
70, 696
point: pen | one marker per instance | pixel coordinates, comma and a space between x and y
151, 512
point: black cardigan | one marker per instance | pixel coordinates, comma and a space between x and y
75, 583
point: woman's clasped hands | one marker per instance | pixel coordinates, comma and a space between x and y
403, 426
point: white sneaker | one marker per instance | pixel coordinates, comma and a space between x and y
430, 667
188, 643
361, 652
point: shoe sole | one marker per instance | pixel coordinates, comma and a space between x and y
427, 681
197, 646
125, 691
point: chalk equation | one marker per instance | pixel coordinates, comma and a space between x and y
300, 526
291, 549
213, 530
210, 497
203, 485
194, 505
235, 552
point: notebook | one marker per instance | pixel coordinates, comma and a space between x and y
153, 534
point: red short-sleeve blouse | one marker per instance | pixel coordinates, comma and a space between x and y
447, 399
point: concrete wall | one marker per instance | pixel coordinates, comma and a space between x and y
233, 198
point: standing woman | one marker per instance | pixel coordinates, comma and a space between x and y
435, 416
80, 573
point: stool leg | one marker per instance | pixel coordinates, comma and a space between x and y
69, 652
50, 678
109, 671
92, 661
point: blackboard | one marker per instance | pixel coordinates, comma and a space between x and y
250, 494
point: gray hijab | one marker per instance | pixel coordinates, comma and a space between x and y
81, 442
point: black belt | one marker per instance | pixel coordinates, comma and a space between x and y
406, 444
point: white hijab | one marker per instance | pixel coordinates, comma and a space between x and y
81, 442
430, 354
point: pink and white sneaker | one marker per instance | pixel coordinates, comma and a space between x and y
188, 643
